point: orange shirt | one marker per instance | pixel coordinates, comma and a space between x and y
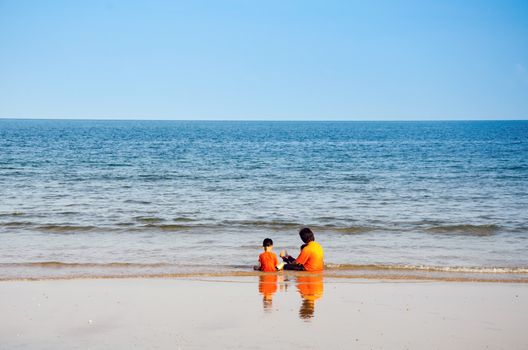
268, 262
311, 257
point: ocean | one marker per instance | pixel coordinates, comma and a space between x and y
87, 198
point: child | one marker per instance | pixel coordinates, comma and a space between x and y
268, 261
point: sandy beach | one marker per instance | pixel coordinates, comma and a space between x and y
261, 312
263, 175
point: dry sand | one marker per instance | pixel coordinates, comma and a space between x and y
261, 313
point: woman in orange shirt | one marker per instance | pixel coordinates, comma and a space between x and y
311, 256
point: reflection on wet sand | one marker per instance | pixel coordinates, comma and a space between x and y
310, 288
268, 287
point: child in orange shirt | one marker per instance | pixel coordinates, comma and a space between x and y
268, 261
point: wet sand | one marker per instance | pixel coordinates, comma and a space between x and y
262, 312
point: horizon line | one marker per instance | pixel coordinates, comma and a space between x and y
261, 120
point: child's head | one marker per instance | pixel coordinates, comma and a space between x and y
267, 244
306, 235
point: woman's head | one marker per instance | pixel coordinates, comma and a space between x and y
306, 235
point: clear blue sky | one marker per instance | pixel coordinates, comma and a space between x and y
264, 59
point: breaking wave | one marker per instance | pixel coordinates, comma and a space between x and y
66, 265
426, 268
477, 230
72, 270
163, 224
65, 228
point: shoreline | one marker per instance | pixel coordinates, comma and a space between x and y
420, 276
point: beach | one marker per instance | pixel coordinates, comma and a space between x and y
136, 234
262, 312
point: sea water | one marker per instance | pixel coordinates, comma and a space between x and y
144, 198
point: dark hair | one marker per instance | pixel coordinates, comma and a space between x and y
306, 235
267, 242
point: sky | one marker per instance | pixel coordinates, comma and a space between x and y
260, 60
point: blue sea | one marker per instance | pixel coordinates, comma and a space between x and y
86, 198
